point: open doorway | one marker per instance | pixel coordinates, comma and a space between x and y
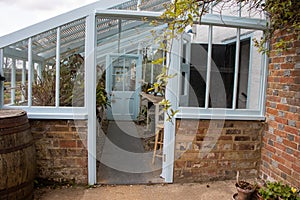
124, 156
126, 134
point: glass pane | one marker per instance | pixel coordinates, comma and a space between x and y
223, 65
254, 80
72, 58
15, 70
118, 78
198, 68
131, 74
43, 84
121, 37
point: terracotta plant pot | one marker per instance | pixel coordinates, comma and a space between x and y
245, 190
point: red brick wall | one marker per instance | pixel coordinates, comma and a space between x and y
207, 150
281, 149
61, 150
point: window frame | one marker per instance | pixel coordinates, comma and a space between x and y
225, 113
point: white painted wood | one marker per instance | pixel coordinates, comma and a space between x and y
124, 99
57, 78
90, 95
185, 69
209, 63
236, 68
30, 72
208, 19
172, 94
41, 112
23, 80
13, 82
264, 81
213, 113
57, 21
138, 6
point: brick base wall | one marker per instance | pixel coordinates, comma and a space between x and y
61, 150
281, 150
207, 150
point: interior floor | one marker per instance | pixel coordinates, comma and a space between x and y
122, 158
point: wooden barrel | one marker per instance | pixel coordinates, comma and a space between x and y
17, 156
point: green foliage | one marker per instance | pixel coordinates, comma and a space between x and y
284, 16
101, 94
274, 190
71, 92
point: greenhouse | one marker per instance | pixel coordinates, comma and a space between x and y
95, 65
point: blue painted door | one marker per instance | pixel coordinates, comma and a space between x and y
123, 77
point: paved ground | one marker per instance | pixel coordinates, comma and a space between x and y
221, 190
123, 159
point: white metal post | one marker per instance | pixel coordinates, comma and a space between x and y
57, 81
1, 82
13, 82
30, 72
90, 94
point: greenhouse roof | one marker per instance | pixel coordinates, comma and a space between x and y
72, 24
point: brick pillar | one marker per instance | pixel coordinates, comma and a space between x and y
281, 149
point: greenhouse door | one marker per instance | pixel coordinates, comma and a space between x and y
123, 77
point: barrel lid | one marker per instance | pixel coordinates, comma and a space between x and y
8, 113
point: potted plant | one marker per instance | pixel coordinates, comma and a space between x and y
278, 191
244, 189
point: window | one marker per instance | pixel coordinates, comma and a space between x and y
226, 72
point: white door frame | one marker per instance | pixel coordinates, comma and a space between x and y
174, 61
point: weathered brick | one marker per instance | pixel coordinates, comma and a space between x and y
274, 163
279, 139
292, 123
290, 144
289, 151
233, 131
270, 142
292, 130
59, 155
284, 169
290, 137
238, 146
283, 99
241, 138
